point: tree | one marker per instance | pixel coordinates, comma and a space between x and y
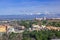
57, 33
44, 22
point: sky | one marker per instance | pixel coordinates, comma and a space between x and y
18, 7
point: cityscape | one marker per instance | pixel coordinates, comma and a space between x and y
29, 19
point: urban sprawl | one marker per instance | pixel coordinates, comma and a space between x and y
37, 29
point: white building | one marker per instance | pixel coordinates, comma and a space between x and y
39, 18
11, 29
44, 18
35, 27
19, 29
43, 26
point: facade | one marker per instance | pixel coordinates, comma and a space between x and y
35, 27
43, 26
11, 29
53, 28
22, 27
39, 19
3, 28
19, 29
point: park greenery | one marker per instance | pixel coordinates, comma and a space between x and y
33, 35
28, 23
56, 24
41, 35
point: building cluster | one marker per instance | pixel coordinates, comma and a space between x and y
43, 27
44, 18
9, 29
20, 29
53, 28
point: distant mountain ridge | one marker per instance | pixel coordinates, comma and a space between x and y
29, 16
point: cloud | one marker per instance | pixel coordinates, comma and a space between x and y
16, 7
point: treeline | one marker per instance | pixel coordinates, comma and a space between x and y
41, 35
56, 24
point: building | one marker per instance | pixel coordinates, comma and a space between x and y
53, 28
35, 27
18, 29
11, 29
39, 19
44, 18
3, 28
43, 26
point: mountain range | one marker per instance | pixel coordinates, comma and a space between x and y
33, 16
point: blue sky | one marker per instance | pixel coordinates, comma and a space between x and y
17, 7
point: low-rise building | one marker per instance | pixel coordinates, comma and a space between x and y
11, 29
35, 27
39, 19
53, 28
16, 29
3, 28
43, 26
20, 27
